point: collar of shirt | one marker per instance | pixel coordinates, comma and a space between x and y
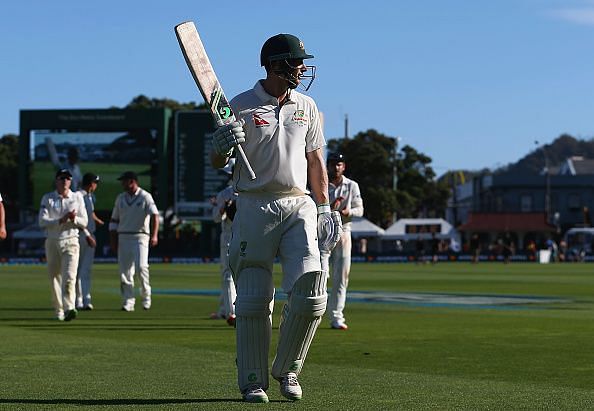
267, 98
342, 181
133, 195
68, 195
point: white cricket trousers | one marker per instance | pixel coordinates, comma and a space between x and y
62, 264
83, 277
340, 266
228, 293
133, 251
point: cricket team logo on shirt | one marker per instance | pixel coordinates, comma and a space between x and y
299, 117
259, 121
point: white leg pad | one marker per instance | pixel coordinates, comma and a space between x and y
300, 319
255, 291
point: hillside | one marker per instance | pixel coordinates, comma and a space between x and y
558, 151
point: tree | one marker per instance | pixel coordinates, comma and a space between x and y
143, 101
419, 193
9, 156
371, 161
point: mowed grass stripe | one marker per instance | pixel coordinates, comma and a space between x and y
392, 356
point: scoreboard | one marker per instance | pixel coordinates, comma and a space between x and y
195, 181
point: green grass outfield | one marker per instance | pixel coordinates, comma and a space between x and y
394, 355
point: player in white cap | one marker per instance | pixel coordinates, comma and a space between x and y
345, 197
62, 214
131, 235
282, 137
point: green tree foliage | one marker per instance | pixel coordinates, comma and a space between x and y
9, 156
143, 101
371, 161
419, 194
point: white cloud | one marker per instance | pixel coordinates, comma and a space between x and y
584, 16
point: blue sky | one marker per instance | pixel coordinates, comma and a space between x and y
472, 84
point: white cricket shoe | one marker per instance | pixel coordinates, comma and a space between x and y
339, 325
60, 316
289, 387
128, 307
254, 393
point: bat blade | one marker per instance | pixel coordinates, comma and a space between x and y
206, 79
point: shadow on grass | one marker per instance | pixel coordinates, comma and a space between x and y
24, 309
122, 401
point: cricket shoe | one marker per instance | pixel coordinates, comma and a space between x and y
231, 320
127, 307
289, 387
336, 325
70, 315
254, 393
88, 307
60, 316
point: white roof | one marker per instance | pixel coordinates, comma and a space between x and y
362, 227
398, 230
31, 232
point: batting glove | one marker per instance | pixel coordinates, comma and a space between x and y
329, 228
226, 137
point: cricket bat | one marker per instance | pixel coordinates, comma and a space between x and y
206, 80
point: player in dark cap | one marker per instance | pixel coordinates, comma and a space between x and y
134, 226
87, 243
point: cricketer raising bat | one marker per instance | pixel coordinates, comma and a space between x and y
206, 80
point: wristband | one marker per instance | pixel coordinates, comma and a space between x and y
323, 208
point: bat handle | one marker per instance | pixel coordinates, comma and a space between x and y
246, 162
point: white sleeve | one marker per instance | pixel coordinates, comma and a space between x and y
356, 201
44, 218
81, 220
314, 139
115, 216
151, 207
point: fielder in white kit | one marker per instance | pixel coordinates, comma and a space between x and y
88, 244
62, 214
345, 197
131, 235
223, 212
283, 141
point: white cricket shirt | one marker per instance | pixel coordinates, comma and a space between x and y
224, 196
349, 191
277, 139
53, 207
132, 212
89, 200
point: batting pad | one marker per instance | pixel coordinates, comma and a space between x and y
300, 319
255, 291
